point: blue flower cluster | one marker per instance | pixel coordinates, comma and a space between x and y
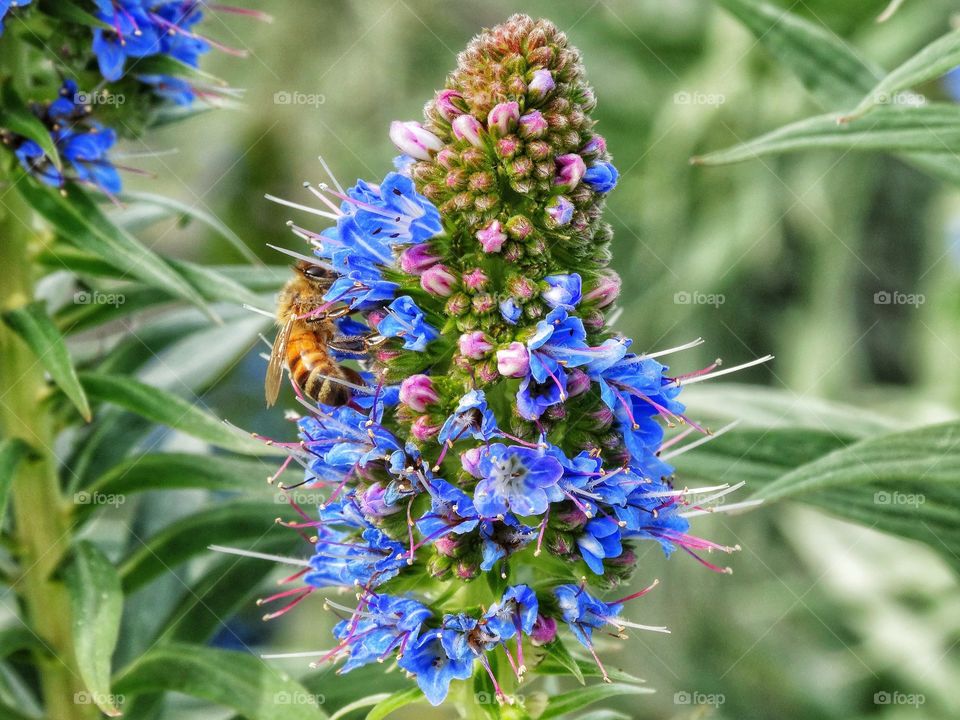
81, 143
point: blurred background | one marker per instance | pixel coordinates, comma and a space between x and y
789, 255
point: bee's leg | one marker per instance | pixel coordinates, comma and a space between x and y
353, 346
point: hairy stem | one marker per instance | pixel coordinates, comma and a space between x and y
42, 527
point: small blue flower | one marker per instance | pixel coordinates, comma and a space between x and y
563, 290
451, 510
501, 538
341, 561
405, 320
510, 311
516, 479
601, 177
387, 623
472, 419
583, 612
600, 539
433, 667
515, 612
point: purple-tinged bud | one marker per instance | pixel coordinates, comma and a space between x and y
414, 140
417, 258
508, 146
487, 372
555, 413
373, 502
559, 211
386, 357
544, 630
467, 127
533, 125
438, 280
475, 279
423, 428
483, 303
578, 382
492, 237
572, 518
593, 147
594, 320
456, 179
521, 287
466, 570
457, 304
503, 118
482, 182
450, 104
474, 345
602, 418
470, 461
560, 546
540, 85
626, 559
519, 227
417, 392
447, 545
570, 170
513, 252
605, 290
514, 360
447, 158
375, 316
473, 158
540, 150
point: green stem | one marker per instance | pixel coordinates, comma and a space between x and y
43, 529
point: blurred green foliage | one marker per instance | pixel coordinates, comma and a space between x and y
820, 616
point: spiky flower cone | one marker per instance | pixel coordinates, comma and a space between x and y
503, 451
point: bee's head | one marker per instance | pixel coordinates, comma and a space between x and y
314, 273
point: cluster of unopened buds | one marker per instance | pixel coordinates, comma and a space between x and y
505, 453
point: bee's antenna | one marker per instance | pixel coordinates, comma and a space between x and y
306, 258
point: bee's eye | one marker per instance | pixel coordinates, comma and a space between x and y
317, 273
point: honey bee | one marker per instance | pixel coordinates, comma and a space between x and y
303, 343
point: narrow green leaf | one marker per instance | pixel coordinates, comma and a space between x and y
580, 698
359, 704
167, 409
12, 452
937, 58
169, 65
558, 651
16, 117
196, 213
78, 218
394, 702
213, 285
96, 604
224, 523
588, 668
912, 459
67, 10
933, 128
17, 638
37, 330
237, 680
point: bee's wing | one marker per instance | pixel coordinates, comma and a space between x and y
275, 366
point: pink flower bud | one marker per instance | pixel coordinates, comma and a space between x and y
450, 104
414, 140
447, 545
470, 460
474, 345
594, 146
578, 382
605, 290
417, 258
503, 118
475, 279
541, 85
533, 125
447, 158
487, 372
544, 630
492, 237
417, 392
375, 316
514, 360
467, 127
423, 428
438, 280
570, 170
